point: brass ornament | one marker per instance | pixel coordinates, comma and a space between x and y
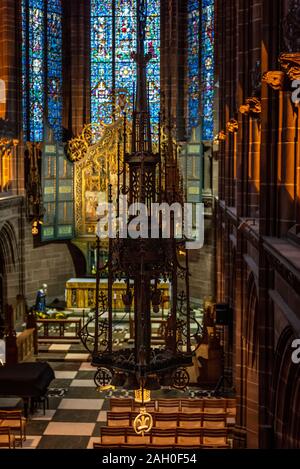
142, 396
35, 229
143, 423
275, 79
6, 145
232, 126
290, 64
95, 156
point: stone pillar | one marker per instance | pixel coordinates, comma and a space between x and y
254, 174
289, 194
10, 73
286, 164
76, 66
174, 61
267, 225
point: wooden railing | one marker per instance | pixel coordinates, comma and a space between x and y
56, 328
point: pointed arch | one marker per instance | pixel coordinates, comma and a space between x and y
252, 322
9, 246
285, 393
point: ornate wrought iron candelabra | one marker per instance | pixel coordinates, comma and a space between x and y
147, 177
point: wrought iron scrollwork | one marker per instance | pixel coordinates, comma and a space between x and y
89, 338
181, 326
103, 377
181, 379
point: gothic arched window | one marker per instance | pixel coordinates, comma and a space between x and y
113, 39
201, 66
42, 67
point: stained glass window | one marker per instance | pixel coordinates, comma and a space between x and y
201, 66
193, 63
54, 66
42, 67
113, 39
153, 46
207, 69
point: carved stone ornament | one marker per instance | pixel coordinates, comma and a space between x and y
275, 79
251, 106
143, 423
255, 105
290, 64
232, 126
220, 137
245, 109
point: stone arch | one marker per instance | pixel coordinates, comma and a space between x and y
9, 250
9, 261
251, 332
285, 393
251, 362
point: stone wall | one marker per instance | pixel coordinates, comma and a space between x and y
258, 204
27, 267
51, 264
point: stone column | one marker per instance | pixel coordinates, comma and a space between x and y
76, 66
174, 62
10, 73
290, 63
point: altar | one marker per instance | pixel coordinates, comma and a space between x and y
81, 293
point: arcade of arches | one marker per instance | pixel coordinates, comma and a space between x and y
240, 157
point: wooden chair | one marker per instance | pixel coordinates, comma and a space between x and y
191, 406
14, 420
119, 419
214, 421
7, 439
186, 437
137, 440
165, 438
168, 405
214, 406
100, 446
112, 436
231, 407
166, 421
189, 420
120, 405
150, 407
215, 439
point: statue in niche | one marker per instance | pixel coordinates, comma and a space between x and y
40, 303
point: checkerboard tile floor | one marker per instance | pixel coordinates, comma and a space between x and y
72, 421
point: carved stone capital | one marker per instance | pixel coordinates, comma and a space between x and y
221, 136
245, 109
232, 126
255, 105
275, 79
252, 106
290, 64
